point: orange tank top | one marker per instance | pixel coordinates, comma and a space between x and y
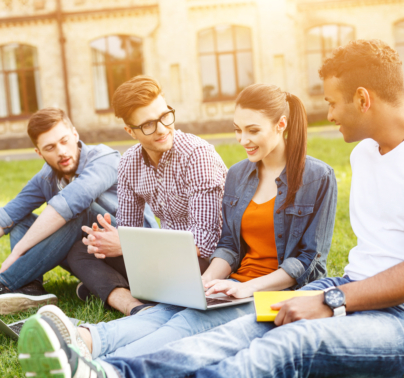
257, 230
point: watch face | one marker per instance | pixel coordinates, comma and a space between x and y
334, 298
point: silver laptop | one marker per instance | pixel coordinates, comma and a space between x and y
162, 266
13, 330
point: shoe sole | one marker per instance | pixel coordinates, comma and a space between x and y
78, 295
39, 351
66, 328
13, 303
61, 321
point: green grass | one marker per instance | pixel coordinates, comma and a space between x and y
15, 174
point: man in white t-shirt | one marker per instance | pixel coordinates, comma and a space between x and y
356, 327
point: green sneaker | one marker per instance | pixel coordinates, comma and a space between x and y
44, 354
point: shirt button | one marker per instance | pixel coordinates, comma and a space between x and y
278, 179
280, 192
299, 212
279, 236
231, 203
278, 211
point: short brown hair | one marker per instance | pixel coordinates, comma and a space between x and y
371, 64
133, 94
44, 120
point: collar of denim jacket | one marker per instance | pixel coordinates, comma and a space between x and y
83, 157
253, 168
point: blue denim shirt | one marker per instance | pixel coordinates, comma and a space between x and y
303, 232
97, 180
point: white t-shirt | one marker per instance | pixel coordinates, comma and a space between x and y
376, 209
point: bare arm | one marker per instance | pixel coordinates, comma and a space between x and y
46, 224
277, 280
385, 289
1, 232
218, 269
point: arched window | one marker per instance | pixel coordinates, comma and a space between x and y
116, 59
19, 80
399, 39
225, 57
320, 41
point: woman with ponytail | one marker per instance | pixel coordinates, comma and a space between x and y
278, 218
279, 204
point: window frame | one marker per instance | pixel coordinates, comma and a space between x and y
108, 66
324, 51
217, 54
25, 113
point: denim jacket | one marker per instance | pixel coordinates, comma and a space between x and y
303, 232
97, 180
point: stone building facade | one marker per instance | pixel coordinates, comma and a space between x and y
72, 54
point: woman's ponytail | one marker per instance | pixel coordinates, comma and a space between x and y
296, 146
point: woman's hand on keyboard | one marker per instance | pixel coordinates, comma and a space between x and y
230, 288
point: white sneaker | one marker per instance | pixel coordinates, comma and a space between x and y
66, 328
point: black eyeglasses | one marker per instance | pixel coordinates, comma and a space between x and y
150, 127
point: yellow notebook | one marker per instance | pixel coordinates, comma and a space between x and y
264, 299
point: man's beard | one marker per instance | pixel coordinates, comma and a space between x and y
70, 171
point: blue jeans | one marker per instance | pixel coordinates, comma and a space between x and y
362, 344
150, 330
53, 250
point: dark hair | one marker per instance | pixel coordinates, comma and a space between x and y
44, 120
133, 94
371, 64
271, 101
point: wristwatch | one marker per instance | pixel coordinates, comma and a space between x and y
334, 298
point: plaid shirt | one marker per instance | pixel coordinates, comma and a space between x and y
185, 190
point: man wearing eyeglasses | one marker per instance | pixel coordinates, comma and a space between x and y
179, 175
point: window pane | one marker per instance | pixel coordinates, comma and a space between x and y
12, 57
99, 50
29, 56
400, 50
135, 68
3, 97
134, 48
118, 75
314, 63
399, 33
100, 87
15, 90
243, 38
314, 39
116, 48
224, 38
346, 34
227, 75
31, 92
330, 36
245, 69
206, 41
209, 76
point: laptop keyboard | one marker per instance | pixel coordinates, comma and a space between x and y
215, 301
16, 327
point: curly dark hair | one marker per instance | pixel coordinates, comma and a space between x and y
371, 64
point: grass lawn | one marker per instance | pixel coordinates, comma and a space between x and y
15, 174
